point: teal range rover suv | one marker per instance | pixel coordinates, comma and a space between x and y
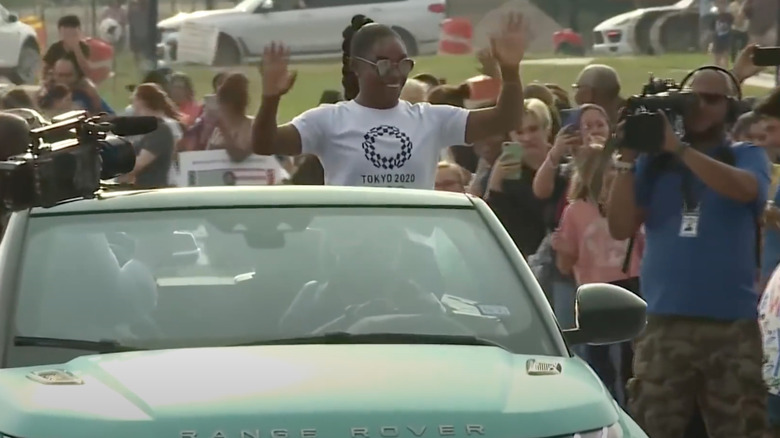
291, 312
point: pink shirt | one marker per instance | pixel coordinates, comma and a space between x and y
190, 111
583, 235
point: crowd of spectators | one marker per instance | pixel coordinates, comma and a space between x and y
694, 228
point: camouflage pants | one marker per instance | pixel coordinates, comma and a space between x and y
681, 362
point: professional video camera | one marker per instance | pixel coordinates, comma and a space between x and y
69, 158
644, 128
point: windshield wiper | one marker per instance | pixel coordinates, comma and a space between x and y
101, 346
378, 338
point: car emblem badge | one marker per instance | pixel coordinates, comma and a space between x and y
55, 377
535, 368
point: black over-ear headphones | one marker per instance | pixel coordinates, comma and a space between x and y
733, 110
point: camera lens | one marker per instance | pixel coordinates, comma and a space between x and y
118, 157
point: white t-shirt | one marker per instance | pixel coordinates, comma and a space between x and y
396, 147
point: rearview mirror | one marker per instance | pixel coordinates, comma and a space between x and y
266, 6
184, 249
606, 314
13, 18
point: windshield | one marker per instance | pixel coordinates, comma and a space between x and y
160, 279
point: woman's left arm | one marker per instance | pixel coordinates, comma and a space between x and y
508, 48
506, 116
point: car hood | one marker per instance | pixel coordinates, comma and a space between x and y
213, 17
308, 391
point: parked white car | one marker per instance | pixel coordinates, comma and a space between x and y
311, 32
648, 30
20, 54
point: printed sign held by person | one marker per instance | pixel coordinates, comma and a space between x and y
215, 168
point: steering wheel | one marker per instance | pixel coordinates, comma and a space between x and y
410, 324
379, 308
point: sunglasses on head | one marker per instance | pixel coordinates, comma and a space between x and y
385, 66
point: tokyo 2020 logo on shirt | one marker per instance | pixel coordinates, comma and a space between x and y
380, 161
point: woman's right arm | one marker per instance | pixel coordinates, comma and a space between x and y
267, 137
544, 180
270, 139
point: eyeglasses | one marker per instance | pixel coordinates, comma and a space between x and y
385, 66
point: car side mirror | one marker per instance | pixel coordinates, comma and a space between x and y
606, 314
13, 18
266, 6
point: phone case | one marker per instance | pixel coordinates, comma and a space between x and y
766, 56
513, 151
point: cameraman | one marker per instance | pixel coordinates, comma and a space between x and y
700, 213
15, 133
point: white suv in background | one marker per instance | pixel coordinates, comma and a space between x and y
648, 31
311, 32
20, 55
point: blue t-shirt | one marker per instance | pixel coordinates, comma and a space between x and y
770, 253
82, 100
711, 275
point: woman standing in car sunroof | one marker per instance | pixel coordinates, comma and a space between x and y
374, 138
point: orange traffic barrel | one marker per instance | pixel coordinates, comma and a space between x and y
456, 37
483, 90
39, 26
101, 59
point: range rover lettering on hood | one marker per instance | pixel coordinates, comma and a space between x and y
442, 430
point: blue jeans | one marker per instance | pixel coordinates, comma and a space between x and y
564, 291
773, 410
607, 362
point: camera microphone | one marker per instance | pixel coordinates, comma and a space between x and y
133, 125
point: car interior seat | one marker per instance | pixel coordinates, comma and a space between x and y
79, 286
137, 293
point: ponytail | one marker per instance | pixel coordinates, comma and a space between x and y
349, 79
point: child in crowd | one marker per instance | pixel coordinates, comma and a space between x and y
451, 178
750, 128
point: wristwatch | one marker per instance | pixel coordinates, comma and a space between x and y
623, 166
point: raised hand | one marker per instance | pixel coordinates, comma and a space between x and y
277, 78
509, 44
743, 66
565, 143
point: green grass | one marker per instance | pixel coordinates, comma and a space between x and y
313, 78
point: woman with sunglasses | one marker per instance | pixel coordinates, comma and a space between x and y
373, 138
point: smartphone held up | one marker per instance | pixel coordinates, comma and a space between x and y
766, 56
512, 152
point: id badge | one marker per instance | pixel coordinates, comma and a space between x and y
689, 225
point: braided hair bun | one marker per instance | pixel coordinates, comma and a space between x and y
348, 78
